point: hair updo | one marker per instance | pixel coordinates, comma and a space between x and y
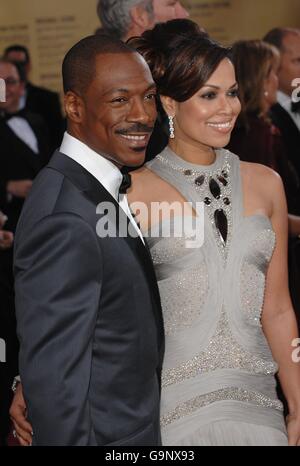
181, 57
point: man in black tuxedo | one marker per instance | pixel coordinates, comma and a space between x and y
24, 151
286, 116
88, 307
38, 99
6, 374
24, 145
286, 113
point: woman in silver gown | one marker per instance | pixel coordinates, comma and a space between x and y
228, 317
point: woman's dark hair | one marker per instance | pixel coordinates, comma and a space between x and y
253, 61
181, 57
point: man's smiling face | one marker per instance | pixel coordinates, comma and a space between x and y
118, 110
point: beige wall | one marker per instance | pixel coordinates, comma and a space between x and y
50, 27
230, 20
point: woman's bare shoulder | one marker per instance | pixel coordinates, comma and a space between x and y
259, 173
145, 183
144, 177
262, 186
141, 174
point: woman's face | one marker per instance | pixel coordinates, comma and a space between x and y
271, 85
209, 116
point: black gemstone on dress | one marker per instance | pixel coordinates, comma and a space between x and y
187, 172
223, 180
225, 174
207, 201
200, 180
226, 201
222, 225
215, 189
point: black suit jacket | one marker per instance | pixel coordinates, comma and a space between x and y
89, 317
19, 162
47, 104
291, 138
290, 134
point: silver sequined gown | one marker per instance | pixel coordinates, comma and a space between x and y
218, 385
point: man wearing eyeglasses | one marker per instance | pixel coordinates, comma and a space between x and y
37, 99
23, 152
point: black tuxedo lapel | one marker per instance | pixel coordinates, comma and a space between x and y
96, 192
42, 135
35, 161
282, 118
290, 133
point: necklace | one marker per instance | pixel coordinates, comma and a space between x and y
214, 187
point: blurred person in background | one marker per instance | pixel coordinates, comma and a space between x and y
285, 113
130, 18
24, 150
37, 99
256, 139
6, 330
166, 10
125, 18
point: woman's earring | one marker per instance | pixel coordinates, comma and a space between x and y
266, 94
171, 126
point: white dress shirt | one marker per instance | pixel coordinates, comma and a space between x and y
286, 102
23, 131
23, 99
102, 169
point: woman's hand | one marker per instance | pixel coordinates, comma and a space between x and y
293, 429
18, 413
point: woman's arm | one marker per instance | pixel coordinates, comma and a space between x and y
278, 319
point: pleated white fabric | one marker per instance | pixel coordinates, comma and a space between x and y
229, 433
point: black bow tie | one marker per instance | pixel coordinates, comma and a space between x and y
296, 107
7, 116
126, 183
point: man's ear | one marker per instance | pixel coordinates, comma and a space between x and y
141, 17
74, 107
169, 105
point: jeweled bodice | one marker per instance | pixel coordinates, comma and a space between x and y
212, 295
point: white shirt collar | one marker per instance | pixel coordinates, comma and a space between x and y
102, 169
284, 100
23, 131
